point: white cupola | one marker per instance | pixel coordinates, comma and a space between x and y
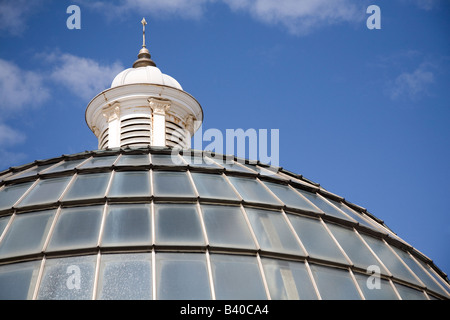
144, 107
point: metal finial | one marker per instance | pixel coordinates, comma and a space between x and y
143, 31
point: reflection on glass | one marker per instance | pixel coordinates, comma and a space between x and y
125, 277
334, 284
65, 165
318, 243
178, 224
27, 234
46, 191
68, 279
288, 280
76, 228
237, 277
130, 184
88, 186
172, 184
321, 203
127, 225
213, 186
226, 227
272, 231
167, 160
96, 162
182, 276
17, 281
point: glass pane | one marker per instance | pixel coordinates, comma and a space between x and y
68, 279
125, 277
436, 277
389, 259
375, 288
76, 228
356, 250
252, 190
213, 186
3, 222
290, 197
46, 191
334, 284
167, 160
272, 231
182, 276
10, 194
33, 171
133, 160
199, 161
87, 186
354, 215
66, 165
231, 165
288, 280
408, 293
27, 234
17, 281
226, 227
127, 225
316, 239
178, 224
96, 162
172, 184
237, 277
426, 279
323, 205
130, 184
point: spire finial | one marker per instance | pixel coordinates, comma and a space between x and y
143, 31
144, 57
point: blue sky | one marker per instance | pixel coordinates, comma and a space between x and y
365, 113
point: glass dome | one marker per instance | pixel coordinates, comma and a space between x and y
156, 223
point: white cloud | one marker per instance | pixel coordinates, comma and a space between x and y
14, 13
184, 8
298, 16
9, 136
413, 84
301, 17
19, 88
84, 77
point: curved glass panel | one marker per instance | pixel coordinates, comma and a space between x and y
237, 277
10, 194
27, 234
130, 184
213, 186
19, 279
288, 280
65, 165
76, 228
95, 162
226, 227
251, 190
127, 225
88, 186
182, 276
178, 224
133, 160
125, 277
68, 279
408, 293
375, 288
316, 239
46, 191
272, 232
172, 184
290, 197
334, 284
